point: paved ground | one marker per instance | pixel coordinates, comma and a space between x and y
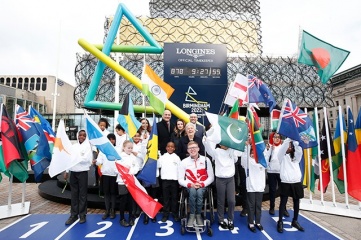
344, 227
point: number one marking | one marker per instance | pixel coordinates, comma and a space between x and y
36, 226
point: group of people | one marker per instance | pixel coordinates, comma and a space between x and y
188, 161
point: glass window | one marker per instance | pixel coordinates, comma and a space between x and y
20, 83
41, 108
13, 83
10, 105
8, 81
38, 83
337, 103
331, 114
344, 102
43, 86
1, 99
32, 84
26, 84
2, 81
28, 103
36, 106
20, 102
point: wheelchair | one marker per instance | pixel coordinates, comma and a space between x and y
208, 204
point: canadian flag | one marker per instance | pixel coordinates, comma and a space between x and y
237, 90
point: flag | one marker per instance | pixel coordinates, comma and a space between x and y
35, 142
358, 128
326, 160
149, 170
157, 91
127, 118
226, 131
275, 116
48, 131
63, 157
13, 157
2, 163
234, 111
238, 89
337, 160
295, 124
315, 169
139, 194
258, 91
258, 144
324, 56
353, 161
96, 138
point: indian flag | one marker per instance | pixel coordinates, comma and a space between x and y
157, 91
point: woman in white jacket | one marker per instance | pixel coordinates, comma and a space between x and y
290, 155
109, 175
224, 160
255, 183
273, 170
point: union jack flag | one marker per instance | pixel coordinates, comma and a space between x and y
258, 92
34, 140
297, 125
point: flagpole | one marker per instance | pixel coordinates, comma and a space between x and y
55, 94
329, 157
309, 164
319, 156
343, 154
10, 191
117, 84
143, 97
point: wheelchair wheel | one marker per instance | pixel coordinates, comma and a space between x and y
211, 208
210, 232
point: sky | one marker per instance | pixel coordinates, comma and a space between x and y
39, 37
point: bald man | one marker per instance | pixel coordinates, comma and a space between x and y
165, 129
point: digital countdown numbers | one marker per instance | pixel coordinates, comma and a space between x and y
195, 71
198, 73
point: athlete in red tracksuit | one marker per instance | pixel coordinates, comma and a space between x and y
195, 173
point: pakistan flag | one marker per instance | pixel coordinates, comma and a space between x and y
226, 131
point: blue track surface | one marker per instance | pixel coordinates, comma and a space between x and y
51, 226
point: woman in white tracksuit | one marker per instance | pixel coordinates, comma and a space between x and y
224, 159
290, 155
255, 183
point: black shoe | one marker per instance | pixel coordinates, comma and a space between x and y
280, 226
271, 211
176, 218
82, 219
146, 219
154, 219
230, 225
252, 228
243, 213
259, 226
286, 214
164, 218
296, 225
223, 225
105, 215
131, 222
71, 220
112, 213
124, 223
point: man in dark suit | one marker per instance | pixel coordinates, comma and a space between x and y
165, 129
193, 118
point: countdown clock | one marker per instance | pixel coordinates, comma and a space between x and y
198, 73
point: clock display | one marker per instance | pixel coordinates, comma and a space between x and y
195, 71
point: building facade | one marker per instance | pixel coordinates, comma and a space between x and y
38, 91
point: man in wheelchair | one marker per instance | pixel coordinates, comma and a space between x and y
195, 173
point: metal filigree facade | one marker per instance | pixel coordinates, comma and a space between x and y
237, 24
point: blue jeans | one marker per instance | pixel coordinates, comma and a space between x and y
196, 199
